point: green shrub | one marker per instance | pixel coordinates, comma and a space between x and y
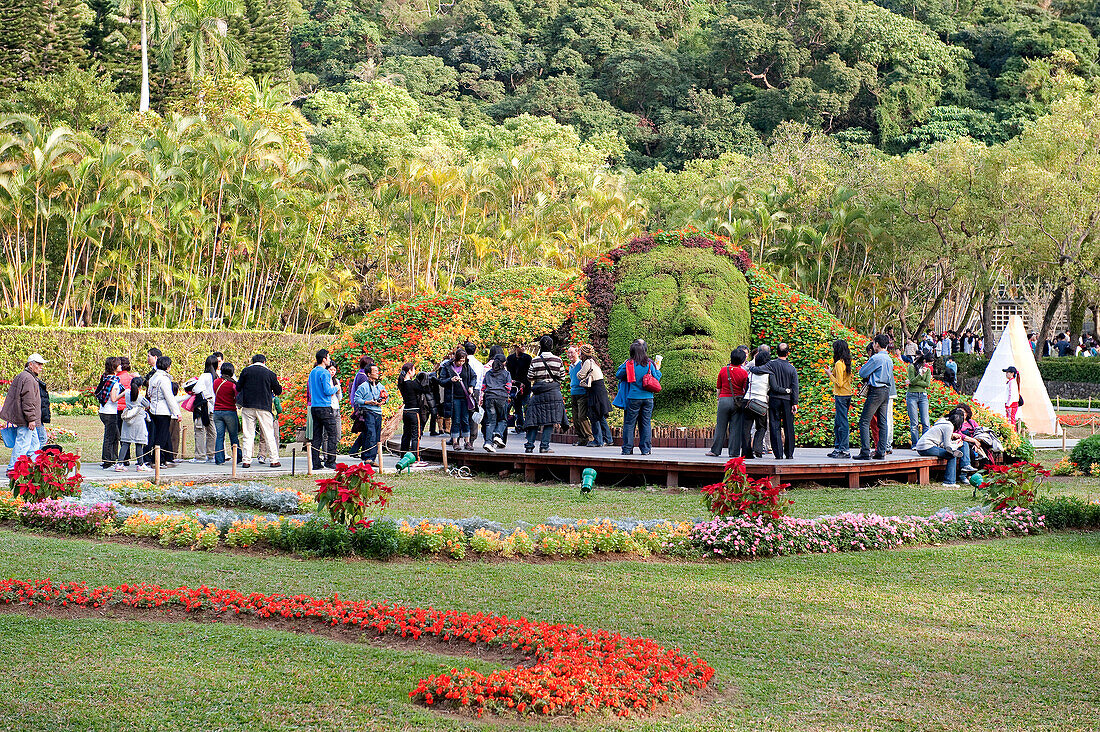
1080, 370
518, 278
1086, 453
1068, 512
380, 540
317, 538
76, 355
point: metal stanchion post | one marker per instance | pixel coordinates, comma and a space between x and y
233, 471
293, 461
309, 457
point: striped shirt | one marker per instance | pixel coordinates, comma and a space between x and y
546, 367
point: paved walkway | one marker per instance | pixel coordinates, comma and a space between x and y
209, 472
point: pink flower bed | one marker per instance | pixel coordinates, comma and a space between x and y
68, 518
743, 537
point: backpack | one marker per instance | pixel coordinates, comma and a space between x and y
103, 391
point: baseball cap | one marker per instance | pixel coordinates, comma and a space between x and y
1010, 370
36, 358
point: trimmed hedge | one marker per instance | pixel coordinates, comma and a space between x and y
518, 278
1077, 370
75, 355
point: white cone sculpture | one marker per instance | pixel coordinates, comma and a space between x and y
1014, 349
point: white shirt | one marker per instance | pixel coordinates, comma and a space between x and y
336, 396
205, 386
757, 388
1012, 392
159, 393
479, 372
111, 405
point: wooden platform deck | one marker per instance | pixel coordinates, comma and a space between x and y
676, 466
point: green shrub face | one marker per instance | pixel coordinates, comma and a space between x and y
692, 307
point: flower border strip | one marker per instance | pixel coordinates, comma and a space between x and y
576, 670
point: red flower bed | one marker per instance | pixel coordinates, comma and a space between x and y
576, 670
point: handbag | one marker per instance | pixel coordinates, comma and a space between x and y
1021, 401
861, 392
649, 381
187, 404
620, 398
757, 407
8, 435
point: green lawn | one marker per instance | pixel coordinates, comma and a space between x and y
995, 635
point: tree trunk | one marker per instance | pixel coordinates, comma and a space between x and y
988, 338
1076, 315
1048, 318
144, 104
934, 308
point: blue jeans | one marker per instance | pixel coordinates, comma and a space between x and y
460, 419
638, 411
225, 420
952, 462
601, 431
26, 443
495, 421
544, 441
372, 434
842, 428
916, 403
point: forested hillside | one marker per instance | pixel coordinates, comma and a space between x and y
674, 81
256, 163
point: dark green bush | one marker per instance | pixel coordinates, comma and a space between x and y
1086, 453
318, 538
380, 540
1080, 370
1068, 512
76, 354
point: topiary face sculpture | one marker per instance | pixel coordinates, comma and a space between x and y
689, 305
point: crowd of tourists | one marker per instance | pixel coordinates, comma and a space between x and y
463, 398
1061, 346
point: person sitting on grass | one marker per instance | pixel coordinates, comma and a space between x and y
941, 441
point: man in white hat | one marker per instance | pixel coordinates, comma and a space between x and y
23, 409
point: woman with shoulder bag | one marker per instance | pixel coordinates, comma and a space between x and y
642, 376
225, 413
599, 404
733, 381
546, 407
457, 378
840, 377
756, 407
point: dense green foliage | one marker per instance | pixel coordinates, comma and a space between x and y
1086, 453
76, 355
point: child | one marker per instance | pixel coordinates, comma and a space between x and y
134, 428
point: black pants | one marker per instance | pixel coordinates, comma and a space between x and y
410, 430
161, 434
323, 444
781, 416
728, 431
878, 403
752, 445
109, 453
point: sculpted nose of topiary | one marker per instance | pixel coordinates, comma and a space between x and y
693, 317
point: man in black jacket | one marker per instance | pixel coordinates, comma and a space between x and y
518, 365
257, 386
782, 402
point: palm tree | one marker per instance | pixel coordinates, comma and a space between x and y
203, 27
152, 11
